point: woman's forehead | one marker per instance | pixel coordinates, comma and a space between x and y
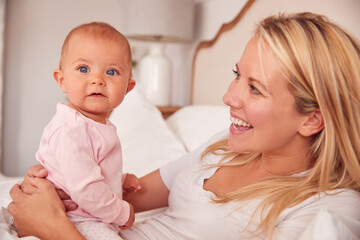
260, 63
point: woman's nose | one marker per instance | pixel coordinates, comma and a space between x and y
234, 95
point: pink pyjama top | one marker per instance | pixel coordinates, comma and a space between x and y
83, 157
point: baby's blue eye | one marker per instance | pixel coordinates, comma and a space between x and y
111, 72
83, 69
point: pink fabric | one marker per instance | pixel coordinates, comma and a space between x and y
92, 230
83, 158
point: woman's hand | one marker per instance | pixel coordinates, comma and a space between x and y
34, 171
31, 212
38, 171
41, 214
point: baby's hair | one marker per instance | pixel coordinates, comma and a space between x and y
97, 30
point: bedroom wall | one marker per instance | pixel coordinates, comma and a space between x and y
34, 33
35, 30
2, 31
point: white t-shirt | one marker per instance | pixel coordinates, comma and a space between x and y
193, 215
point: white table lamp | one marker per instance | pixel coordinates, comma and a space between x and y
158, 21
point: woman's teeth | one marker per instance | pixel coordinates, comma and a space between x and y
238, 122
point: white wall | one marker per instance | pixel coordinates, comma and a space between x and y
2, 32
35, 30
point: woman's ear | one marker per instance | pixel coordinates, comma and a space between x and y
59, 78
313, 124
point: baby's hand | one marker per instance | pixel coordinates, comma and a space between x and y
131, 184
131, 220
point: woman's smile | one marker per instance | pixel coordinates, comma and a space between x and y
239, 126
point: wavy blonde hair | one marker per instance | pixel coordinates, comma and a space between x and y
322, 67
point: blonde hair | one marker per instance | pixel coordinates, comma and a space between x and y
98, 30
322, 66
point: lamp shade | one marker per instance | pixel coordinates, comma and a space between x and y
159, 20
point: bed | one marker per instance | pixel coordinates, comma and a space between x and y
149, 141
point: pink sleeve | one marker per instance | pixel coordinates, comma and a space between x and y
123, 178
82, 176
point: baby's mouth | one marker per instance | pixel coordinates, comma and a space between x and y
96, 94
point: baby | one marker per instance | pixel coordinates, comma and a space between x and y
80, 147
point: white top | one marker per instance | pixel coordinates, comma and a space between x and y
192, 215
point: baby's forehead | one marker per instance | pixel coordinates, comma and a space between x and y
118, 40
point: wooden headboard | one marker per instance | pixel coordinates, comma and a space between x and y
214, 60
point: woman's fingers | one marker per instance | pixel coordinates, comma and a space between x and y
37, 171
70, 205
63, 195
31, 212
27, 187
41, 183
16, 192
11, 208
31, 185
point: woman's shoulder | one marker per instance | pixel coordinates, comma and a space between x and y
341, 202
336, 200
339, 198
335, 212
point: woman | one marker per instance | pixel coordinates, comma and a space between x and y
290, 156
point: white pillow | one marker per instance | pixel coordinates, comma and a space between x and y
147, 142
196, 124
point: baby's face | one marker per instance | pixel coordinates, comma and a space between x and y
95, 74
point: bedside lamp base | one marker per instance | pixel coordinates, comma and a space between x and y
155, 76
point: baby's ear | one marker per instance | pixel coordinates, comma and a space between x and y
59, 78
313, 124
130, 86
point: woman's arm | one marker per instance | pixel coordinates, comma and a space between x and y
41, 214
153, 193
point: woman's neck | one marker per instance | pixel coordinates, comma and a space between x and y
285, 165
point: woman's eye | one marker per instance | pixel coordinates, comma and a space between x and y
254, 89
111, 72
236, 73
83, 69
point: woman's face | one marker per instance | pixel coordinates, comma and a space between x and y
263, 114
